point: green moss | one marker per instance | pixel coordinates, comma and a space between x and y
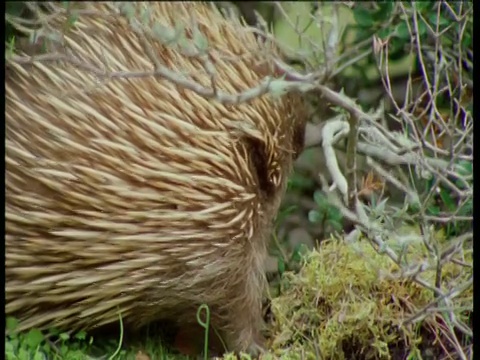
340, 307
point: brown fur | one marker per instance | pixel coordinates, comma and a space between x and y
138, 196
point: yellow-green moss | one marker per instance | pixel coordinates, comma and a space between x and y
338, 307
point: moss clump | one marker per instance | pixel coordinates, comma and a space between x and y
339, 307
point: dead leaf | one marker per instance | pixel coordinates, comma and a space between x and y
370, 184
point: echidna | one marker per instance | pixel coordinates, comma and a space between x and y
129, 193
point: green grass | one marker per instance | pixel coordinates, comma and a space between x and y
146, 344
54, 345
28, 347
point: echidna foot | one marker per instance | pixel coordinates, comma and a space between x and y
248, 340
256, 349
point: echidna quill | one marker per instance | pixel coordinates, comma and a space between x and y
132, 194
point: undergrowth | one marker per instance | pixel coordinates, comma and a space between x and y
347, 302
56, 345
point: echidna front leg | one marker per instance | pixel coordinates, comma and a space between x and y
244, 331
244, 320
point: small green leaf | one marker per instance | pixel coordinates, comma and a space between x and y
23, 354
433, 210
54, 331
424, 5
380, 207
34, 338
413, 207
383, 33
9, 347
363, 17
466, 209
363, 34
38, 356
335, 225
321, 200
460, 184
298, 181
11, 323
402, 31
281, 266
314, 216
447, 200
64, 336
433, 18
15, 342
467, 40
396, 48
333, 214
422, 28
297, 253
81, 335
466, 167
385, 8
429, 184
